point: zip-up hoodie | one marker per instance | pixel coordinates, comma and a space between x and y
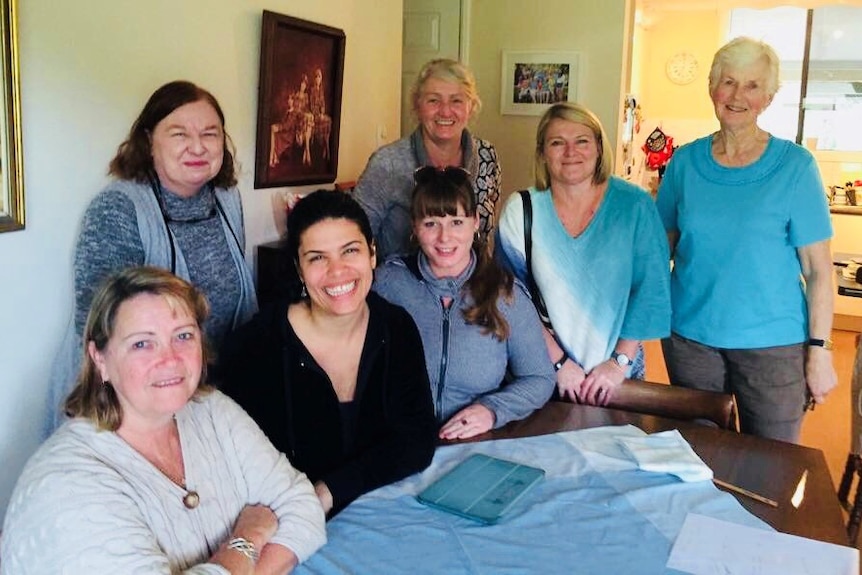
466, 366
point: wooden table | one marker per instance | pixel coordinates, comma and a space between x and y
764, 466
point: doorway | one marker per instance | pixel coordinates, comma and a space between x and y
432, 29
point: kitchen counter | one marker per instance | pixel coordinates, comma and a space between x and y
844, 209
848, 295
846, 286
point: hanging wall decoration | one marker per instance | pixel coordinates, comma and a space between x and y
658, 149
299, 102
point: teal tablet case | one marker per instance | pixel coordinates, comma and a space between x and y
481, 488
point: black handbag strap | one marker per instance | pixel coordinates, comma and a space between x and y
528, 254
528, 233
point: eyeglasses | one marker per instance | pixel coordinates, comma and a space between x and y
427, 174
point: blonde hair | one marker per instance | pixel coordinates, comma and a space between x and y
97, 400
449, 71
741, 52
579, 115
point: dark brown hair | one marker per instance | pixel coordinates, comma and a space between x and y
314, 208
134, 159
440, 193
97, 400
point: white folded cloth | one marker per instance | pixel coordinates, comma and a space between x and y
666, 452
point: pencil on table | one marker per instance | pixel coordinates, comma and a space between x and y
746, 492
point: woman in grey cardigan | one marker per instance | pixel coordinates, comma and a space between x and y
174, 205
476, 324
444, 99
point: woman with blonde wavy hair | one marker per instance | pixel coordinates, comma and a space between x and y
444, 98
598, 257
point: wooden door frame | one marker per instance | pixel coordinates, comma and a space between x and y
464, 32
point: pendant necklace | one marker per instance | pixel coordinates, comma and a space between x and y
191, 499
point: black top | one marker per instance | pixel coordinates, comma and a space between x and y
348, 424
269, 372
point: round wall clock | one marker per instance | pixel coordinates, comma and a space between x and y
681, 68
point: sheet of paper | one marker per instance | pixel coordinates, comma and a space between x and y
707, 546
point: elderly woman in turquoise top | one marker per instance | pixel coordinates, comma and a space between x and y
747, 221
598, 256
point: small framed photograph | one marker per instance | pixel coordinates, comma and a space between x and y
299, 102
532, 81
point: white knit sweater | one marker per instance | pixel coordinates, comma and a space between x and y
89, 503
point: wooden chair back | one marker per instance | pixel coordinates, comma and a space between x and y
676, 402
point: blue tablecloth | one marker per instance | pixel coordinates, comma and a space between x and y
594, 513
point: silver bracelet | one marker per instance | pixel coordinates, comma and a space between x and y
245, 547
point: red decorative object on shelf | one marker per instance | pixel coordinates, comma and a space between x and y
658, 149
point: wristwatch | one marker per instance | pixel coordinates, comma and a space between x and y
824, 343
559, 363
621, 359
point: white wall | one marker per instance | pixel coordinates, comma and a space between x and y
86, 68
597, 30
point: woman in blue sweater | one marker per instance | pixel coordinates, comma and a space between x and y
475, 322
747, 222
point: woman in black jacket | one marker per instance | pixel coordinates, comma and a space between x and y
335, 377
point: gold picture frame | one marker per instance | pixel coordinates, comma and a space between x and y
11, 163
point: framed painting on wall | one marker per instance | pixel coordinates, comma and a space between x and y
299, 102
11, 161
532, 81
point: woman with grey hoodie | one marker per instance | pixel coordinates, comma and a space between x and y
483, 342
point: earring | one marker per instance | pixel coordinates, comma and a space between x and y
304, 292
